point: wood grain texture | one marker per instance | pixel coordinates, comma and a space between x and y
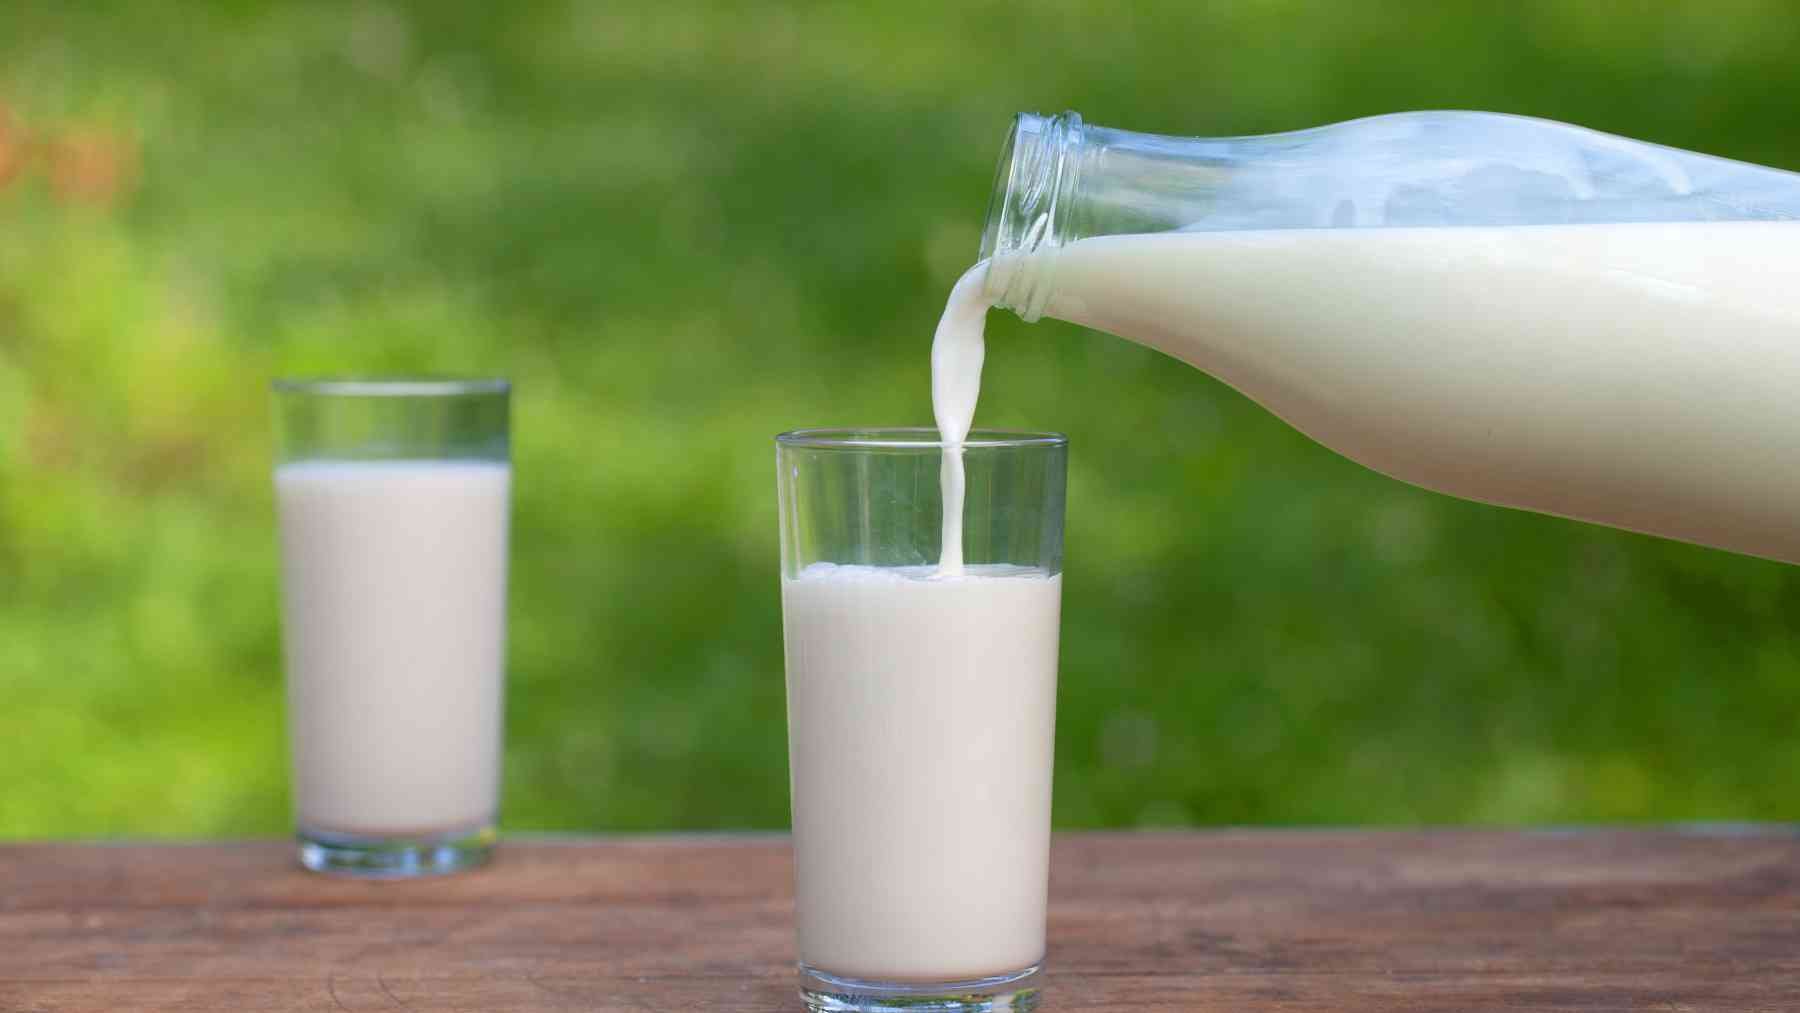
1240, 921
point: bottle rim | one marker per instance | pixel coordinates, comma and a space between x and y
1035, 179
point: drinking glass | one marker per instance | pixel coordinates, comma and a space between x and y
921, 715
393, 496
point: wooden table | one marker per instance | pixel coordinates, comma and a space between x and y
1240, 921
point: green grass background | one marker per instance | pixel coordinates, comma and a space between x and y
682, 228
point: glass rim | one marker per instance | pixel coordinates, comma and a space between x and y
391, 386
913, 438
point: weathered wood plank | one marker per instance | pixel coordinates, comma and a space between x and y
1595, 920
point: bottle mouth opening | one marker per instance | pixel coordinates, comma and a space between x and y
1034, 182
1005, 174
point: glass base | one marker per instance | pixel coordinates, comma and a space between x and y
830, 993
396, 857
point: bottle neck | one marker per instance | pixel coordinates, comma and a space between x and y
1060, 181
1031, 211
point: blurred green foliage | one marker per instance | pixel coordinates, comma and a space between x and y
684, 227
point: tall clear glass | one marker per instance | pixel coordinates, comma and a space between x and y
393, 498
921, 715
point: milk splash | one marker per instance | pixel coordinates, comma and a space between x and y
957, 350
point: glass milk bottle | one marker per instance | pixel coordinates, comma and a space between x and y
1505, 309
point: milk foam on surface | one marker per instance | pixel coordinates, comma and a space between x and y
394, 597
921, 721
1639, 375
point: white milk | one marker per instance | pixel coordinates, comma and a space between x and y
957, 350
394, 590
1642, 376
921, 716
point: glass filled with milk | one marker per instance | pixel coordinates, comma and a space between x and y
921, 682
393, 500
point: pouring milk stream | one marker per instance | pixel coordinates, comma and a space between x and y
1504, 309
